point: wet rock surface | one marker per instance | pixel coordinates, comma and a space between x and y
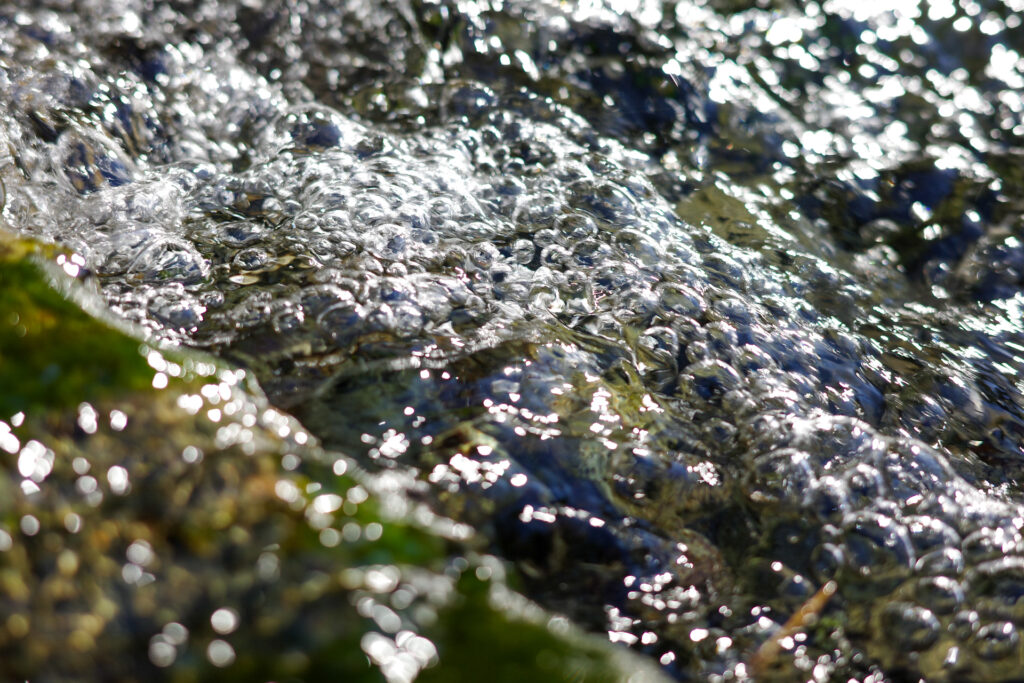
707, 318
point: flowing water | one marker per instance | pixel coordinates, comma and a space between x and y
706, 316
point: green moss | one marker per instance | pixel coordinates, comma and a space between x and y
475, 639
54, 355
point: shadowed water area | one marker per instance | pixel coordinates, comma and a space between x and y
699, 325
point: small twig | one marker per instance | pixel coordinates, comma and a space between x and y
769, 650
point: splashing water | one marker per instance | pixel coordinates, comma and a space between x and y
690, 309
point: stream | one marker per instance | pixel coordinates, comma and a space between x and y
698, 326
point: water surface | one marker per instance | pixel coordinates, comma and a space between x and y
705, 317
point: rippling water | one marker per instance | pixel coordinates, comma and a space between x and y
707, 317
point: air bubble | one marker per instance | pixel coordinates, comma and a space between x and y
483, 256
997, 587
251, 259
536, 212
877, 548
87, 161
313, 127
914, 628
946, 561
940, 594
1000, 640
602, 200
781, 476
238, 234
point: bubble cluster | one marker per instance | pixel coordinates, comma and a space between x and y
692, 311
